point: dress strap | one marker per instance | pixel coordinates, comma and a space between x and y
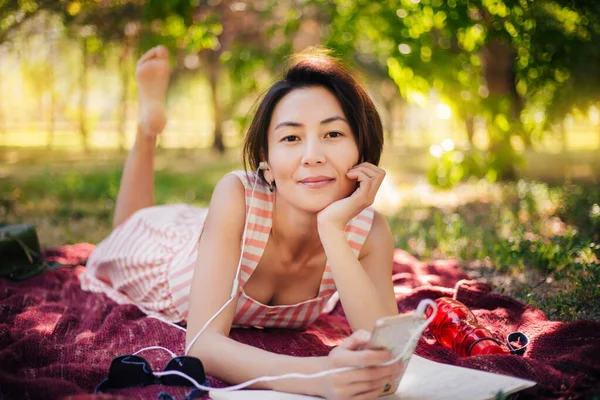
358, 229
259, 204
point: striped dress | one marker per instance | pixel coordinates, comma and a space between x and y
149, 260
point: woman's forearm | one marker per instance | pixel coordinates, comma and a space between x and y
362, 303
236, 362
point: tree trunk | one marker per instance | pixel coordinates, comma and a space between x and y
125, 76
51, 116
83, 91
470, 127
213, 78
563, 136
597, 129
2, 116
504, 156
499, 70
388, 92
527, 141
389, 121
401, 116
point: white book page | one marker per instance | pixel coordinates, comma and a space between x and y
426, 379
423, 380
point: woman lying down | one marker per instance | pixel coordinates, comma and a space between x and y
276, 242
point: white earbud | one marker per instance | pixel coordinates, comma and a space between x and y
263, 165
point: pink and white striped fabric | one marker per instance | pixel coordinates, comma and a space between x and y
149, 260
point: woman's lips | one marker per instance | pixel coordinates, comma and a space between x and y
316, 182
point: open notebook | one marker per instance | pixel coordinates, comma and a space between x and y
422, 380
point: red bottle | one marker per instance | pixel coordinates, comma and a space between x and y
456, 327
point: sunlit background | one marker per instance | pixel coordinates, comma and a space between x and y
66, 69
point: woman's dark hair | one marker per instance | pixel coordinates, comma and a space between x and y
316, 67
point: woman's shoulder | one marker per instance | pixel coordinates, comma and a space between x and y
379, 233
229, 189
248, 178
252, 183
380, 226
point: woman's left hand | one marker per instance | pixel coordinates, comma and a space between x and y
339, 213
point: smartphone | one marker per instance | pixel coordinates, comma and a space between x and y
397, 334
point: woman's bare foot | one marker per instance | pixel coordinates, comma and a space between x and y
152, 75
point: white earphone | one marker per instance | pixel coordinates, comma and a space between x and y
263, 165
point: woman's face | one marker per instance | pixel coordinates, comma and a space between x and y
311, 148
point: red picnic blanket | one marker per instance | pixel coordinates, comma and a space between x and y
57, 341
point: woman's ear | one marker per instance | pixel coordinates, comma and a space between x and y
264, 166
268, 175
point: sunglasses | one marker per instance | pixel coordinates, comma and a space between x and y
134, 371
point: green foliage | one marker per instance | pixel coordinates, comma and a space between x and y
550, 234
519, 64
173, 24
164, 9
582, 209
13, 13
455, 166
522, 65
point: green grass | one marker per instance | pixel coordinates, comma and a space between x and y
538, 242
70, 196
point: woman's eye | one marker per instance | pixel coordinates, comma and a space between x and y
291, 138
334, 134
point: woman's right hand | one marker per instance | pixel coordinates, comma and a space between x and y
361, 383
